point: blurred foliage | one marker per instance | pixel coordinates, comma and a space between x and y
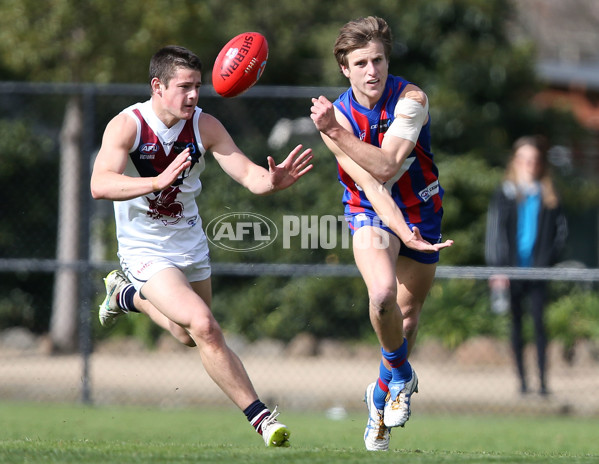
24, 301
16, 308
27, 220
277, 307
469, 182
26, 161
573, 316
456, 310
479, 81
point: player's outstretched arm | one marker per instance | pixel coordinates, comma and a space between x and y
390, 214
236, 164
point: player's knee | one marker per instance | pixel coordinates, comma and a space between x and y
205, 330
382, 299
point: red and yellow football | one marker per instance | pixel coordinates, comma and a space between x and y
239, 64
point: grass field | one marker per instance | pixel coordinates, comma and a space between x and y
32, 433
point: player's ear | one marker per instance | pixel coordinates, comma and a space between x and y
344, 70
156, 86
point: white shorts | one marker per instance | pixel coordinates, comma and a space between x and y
139, 269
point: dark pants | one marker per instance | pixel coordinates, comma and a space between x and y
535, 292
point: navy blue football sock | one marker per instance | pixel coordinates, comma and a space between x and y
256, 413
125, 298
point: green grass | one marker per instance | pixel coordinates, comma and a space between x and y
32, 433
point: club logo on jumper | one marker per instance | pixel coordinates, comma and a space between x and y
165, 207
241, 231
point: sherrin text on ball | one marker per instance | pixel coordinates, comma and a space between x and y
239, 64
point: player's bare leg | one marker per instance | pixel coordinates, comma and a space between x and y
414, 281
375, 253
147, 308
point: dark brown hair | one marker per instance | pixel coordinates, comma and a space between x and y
165, 62
357, 33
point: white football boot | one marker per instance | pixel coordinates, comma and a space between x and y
109, 309
275, 433
397, 405
376, 435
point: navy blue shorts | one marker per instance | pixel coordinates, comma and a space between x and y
369, 218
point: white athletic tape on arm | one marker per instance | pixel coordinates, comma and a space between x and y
408, 128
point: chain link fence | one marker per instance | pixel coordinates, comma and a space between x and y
304, 372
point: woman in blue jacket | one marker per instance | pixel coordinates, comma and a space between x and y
526, 228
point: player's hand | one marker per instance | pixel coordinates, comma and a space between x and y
416, 242
173, 171
285, 174
323, 115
